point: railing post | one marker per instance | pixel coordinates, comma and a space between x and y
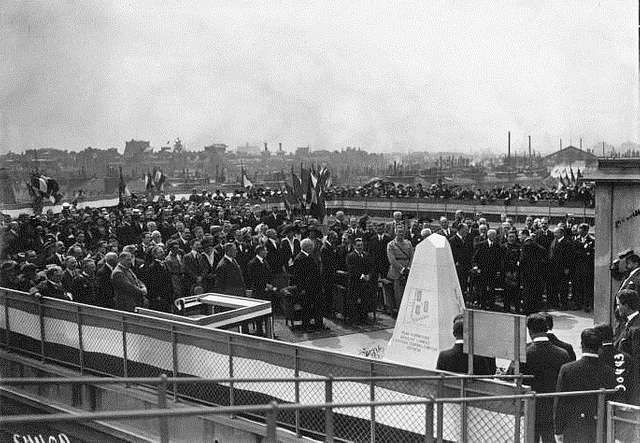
328, 411
530, 419
162, 404
296, 374
600, 427
80, 344
231, 387
463, 412
41, 316
174, 349
518, 411
372, 398
125, 371
6, 322
272, 418
428, 421
610, 428
439, 418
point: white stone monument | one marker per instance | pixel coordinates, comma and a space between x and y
432, 297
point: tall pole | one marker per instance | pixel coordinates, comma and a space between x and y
581, 143
529, 151
603, 148
509, 147
561, 144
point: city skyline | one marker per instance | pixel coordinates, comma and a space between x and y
445, 76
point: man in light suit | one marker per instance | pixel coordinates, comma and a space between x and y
400, 256
129, 291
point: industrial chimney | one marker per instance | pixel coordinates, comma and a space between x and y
280, 146
509, 147
265, 147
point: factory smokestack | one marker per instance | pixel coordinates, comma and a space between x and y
509, 147
265, 147
280, 146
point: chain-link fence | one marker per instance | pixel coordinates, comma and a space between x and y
623, 423
107, 342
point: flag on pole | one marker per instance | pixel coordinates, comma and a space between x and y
297, 186
123, 190
246, 183
148, 181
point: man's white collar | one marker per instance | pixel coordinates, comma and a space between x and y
540, 339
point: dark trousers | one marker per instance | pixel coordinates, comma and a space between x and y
486, 290
463, 279
532, 289
583, 286
559, 288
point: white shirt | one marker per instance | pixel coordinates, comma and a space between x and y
540, 339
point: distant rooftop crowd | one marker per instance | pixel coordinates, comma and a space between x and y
582, 193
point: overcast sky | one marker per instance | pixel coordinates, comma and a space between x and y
435, 75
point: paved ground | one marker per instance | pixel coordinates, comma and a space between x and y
372, 339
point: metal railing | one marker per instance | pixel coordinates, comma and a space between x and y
433, 408
101, 341
329, 387
623, 423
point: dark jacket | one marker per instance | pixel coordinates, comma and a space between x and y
105, 288
562, 344
488, 258
377, 248
455, 360
229, 278
160, 287
544, 361
259, 274
85, 289
305, 276
575, 417
462, 251
127, 289
286, 255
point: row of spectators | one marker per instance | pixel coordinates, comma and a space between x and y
579, 193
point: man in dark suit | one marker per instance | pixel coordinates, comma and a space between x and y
377, 248
84, 286
259, 274
444, 230
561, 257
584, 268
159, 283
273, 252
554, 339
229, 278
103, 278
455, 360
193, 266
52, 285
488, 260
532, 261
289, 248
575, 417
620, 362
57, 257
462, 250
361, 288
128, 289
628, 305
544, 361
330, 262
306, 273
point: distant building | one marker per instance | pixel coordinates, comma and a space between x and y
134, 149
248, 150
302, 152
214, 163
570, 155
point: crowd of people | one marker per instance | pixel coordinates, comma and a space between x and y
152, 253
579, 194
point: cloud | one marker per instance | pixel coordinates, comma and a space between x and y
436, 75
